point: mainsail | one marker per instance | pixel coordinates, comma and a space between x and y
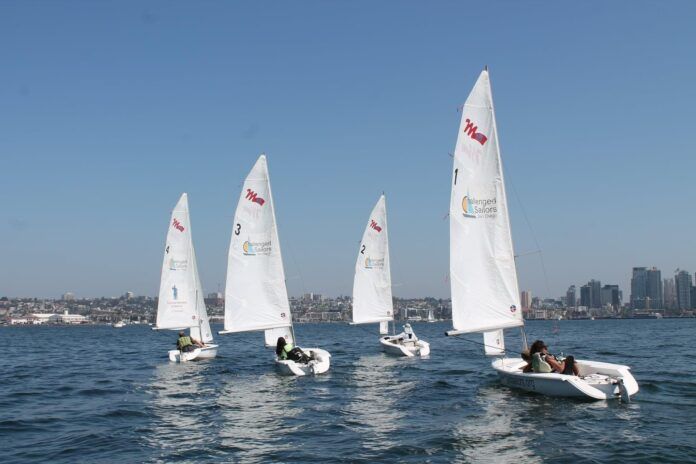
485, 295
372, 294
180, 303
255, 295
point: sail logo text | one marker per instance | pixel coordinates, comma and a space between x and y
479, 207
371, 263
256, 248
472, 131
178, 264
254, 198
177, 225
374, 225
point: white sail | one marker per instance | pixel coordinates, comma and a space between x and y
270, 336
483, 278
180, 303
202, 331
255, 295
494, 342
384, 327
372, 294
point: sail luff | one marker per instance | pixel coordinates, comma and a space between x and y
514, 282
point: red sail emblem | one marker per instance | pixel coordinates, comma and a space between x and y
374, 225
177, 225
472, 131
253, 197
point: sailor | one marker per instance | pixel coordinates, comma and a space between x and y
543, 361
408, 331
186, 344
285, 350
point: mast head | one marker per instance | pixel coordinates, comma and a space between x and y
485, 67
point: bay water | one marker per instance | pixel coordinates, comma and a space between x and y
100, 394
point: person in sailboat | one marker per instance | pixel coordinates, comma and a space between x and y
408, 335
285, 350
186, 343
545, 362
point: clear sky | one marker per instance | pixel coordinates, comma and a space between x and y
110, 109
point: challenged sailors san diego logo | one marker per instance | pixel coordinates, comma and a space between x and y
473, 207
256, 248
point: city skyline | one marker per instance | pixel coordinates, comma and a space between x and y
112, 113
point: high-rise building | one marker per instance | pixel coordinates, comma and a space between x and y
653, 289
639, 287
586, 296
526, 299
68, 296
611, 295
683, 286
669, 294
596, 286
128, 295
570, 297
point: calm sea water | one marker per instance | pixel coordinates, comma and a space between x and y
98, 394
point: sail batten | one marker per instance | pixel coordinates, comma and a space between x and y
255, 293
485, 296
372, 293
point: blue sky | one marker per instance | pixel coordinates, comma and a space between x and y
109, 110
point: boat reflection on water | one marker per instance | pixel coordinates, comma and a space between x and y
374, 412
181, 401
498, 431
257, 413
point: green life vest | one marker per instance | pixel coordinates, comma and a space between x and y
184, 342
539, 365
286, 349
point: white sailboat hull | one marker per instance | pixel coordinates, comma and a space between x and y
320, 364
397, 346
597, 380
207, 352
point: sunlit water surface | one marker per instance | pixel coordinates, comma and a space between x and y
99, 394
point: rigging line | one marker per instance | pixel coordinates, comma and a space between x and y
531, 229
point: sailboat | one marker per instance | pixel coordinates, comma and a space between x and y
256, 298
181, 305
485, 294
431, 315
372, 294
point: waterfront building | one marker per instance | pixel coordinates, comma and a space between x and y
596, 297
571, 301
669, 294
639, 285
683, 286
526, 299
611, 296
586, 296
653, 289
